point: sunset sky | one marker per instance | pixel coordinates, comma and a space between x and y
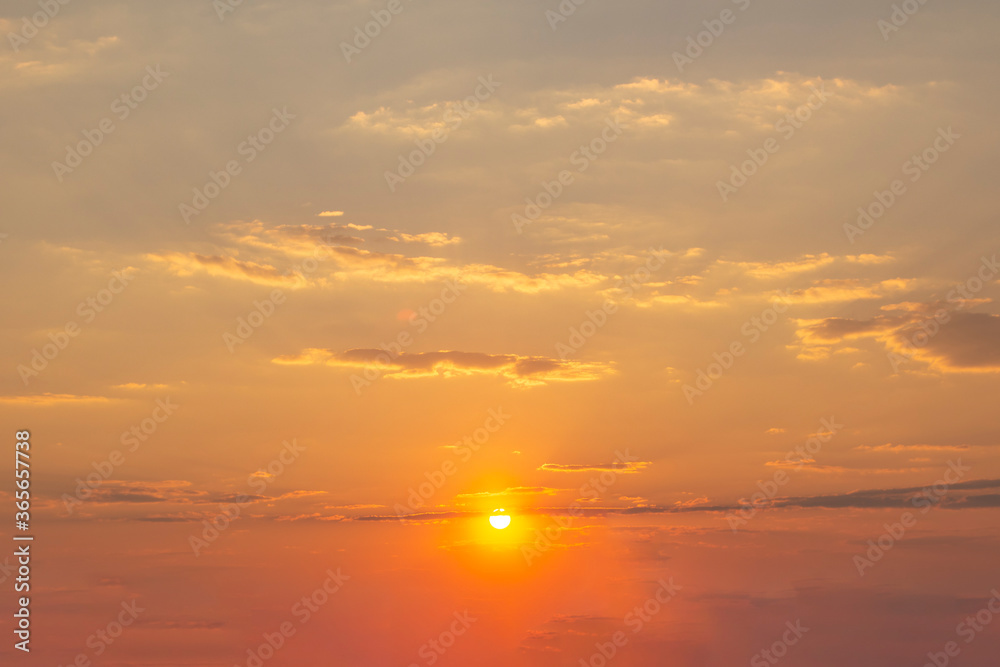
703, 295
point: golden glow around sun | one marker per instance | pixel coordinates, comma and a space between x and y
499, 521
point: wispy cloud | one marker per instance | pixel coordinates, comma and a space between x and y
518, 370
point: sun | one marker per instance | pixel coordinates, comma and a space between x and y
499, 521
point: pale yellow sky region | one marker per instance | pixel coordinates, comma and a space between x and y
306, 299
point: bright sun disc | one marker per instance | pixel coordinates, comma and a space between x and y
499, 521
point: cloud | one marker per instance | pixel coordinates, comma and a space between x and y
682, 300
901, 449
353, 507
619, 467
870, 259
166, 491
54, 60
938, 334
518, 370
834, 290
282, 256
982, 501
811, 465
646, 105
287, 240
956, 497
637, 501
173, 517
179, 492
436, 239
422, 516
513, 491
186, 264
44, 400
837, 329
805, 464
970, 342
692, 502
723, 282
314, 516
772, 270
961, 495
137, 386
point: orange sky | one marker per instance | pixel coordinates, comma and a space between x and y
291, 310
